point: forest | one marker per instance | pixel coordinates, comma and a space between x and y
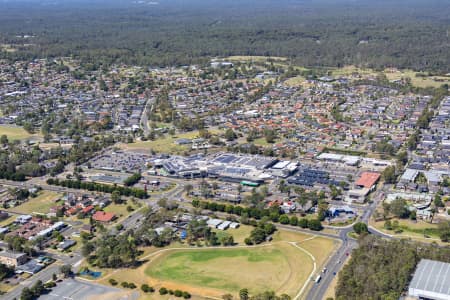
382, 269
402, 33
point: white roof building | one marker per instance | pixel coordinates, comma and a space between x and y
431, 281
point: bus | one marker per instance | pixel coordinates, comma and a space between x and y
250, 183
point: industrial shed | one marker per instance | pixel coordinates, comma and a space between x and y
431, 281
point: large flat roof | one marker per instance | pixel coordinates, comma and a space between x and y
431, 279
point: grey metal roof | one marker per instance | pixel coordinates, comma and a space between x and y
432, 276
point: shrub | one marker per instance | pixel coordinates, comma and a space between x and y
186, 295
178, 293
112, 281
163, 291
131, 285
303, 223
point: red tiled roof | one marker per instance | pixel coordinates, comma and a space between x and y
368, 179
88, 209
102, 216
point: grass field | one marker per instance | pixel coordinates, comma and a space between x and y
239, 234
206, 268
255, 58
210, 273
164, 144
15, 133
420, 230
349, 70
120, 209
41, 204
427, 81
296, 81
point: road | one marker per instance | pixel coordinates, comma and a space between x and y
144, 116
336, 262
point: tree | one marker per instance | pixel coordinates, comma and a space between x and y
66, 270
270, 136
315, 225
303, 223
284, 219
360, 228
389, 174
4, 139
444, 231
293, 221
438, 201
163, 291
147, 289
27, 294
398, 207
115, 197
230, 135
402, 158
388, 225
243, 294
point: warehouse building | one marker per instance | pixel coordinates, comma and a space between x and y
431, 281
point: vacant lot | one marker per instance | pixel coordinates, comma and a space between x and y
256, 58
416, 230
40, 204
165, 144
14, 133
421, 81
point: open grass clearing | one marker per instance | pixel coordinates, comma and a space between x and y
263, 142
319, 247
40, 204
15, 132
165, 144
349, 70
295, 81
239, 234
284, 267
213, 272
255, 58
120, 210
425, 81
420, 230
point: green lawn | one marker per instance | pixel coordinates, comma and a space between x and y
120, 209
239, 234
166, 144
40, 204
212, 272
15, 133
205, 268
427, 81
